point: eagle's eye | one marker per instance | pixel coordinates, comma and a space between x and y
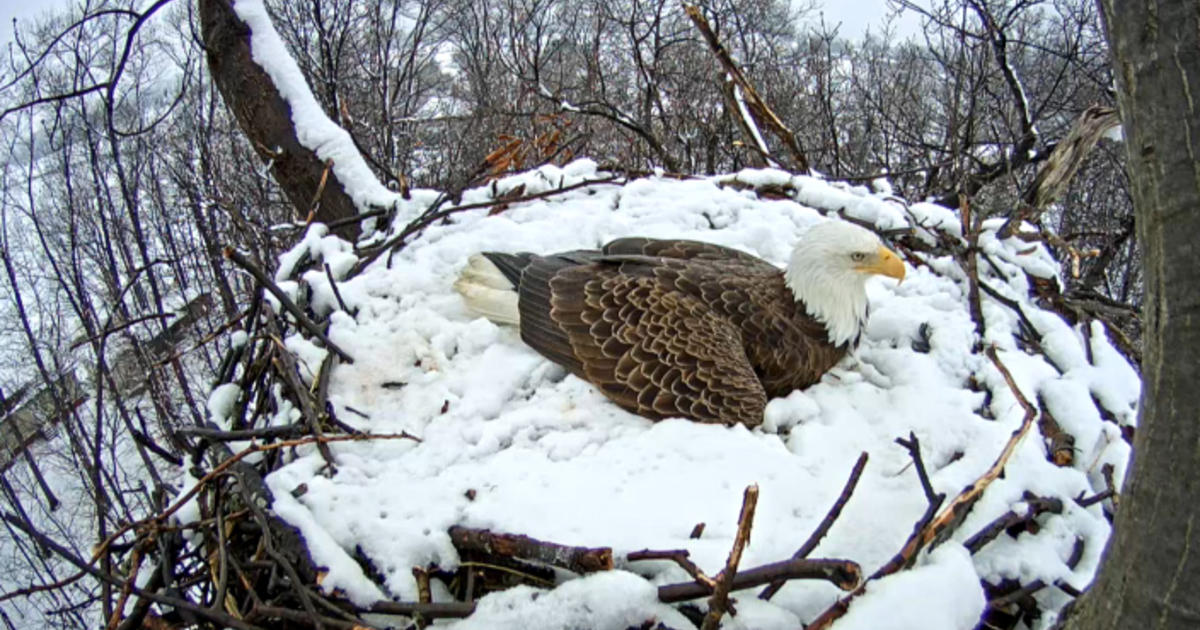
858, 256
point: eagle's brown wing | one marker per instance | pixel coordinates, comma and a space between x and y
686, 250
787, 348
653, 350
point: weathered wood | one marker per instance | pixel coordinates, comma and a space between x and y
841, 573
266, 119
577, 559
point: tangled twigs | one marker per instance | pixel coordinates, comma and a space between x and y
302, 320
434, 213
930, 532
165, 600
576, 559
161, 517
823, 528
718, 604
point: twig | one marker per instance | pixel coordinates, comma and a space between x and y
1092, 500
87, 567
226, 464
217, 435
301, 319
814, 539
337, 294
433, 214
680, 557
913, 445
718, 604
931, 531
844, 574
311, 619
577, 559
1037, 506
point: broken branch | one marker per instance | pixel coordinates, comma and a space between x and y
718, 604
576, 559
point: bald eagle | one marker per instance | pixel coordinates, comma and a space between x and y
674, 328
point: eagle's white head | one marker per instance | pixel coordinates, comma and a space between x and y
828, 273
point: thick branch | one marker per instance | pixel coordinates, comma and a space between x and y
266, 118
758, 108
577, 559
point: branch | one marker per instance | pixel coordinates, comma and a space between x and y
576, 559
165, 600
815, 538
759, 109
841, 573
1036, 507
266, 119
718, 604
301, 319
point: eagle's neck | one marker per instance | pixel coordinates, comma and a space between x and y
833, 293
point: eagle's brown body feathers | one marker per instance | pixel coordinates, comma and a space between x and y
669, 328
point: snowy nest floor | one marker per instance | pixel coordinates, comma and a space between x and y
511, 444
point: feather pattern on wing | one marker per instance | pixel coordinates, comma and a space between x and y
671, 328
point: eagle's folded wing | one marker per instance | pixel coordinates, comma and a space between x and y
652, 350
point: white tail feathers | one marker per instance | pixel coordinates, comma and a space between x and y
487, 292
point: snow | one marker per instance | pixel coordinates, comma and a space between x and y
547, 456
615, 600
943, 592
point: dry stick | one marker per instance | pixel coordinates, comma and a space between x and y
226, 464
844, 574
576, 559
757, 106
681, 558
285, 365
135, 564
432, 214
441, 610
87, 567
1037, 506
970, 226
1092, 500
301, 319
1107, 471
1039, 584
914, 448
237, 435
719, 602
337, 294
943, 524
312, 619
961, 504
823, 528
316, 201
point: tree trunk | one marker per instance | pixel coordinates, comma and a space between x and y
1151, 574
266, 119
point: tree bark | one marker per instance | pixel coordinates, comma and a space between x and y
266, 119
1150, 577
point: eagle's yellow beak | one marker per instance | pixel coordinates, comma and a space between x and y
886, 263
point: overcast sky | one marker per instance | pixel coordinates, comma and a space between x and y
854, 15
23, 10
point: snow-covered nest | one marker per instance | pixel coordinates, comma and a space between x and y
510, 443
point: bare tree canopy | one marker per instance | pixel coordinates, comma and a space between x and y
164, 273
